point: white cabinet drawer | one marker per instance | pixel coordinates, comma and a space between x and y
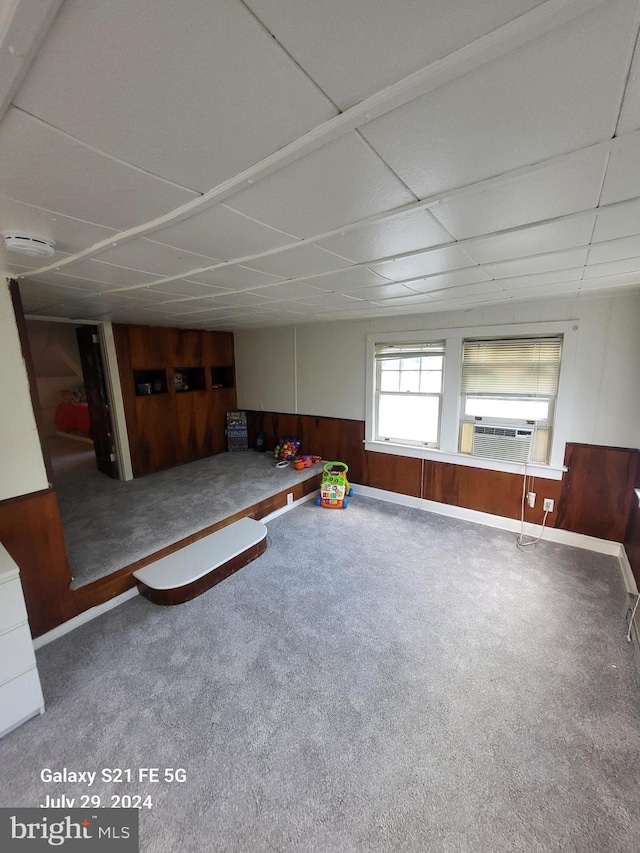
20, 699
16, 653
12, 609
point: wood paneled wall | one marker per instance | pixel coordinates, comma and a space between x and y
593, 498
597, 490
173, 428
31, 531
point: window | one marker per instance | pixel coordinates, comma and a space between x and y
501, 397
409, 392
509, 383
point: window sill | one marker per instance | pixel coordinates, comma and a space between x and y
535, 469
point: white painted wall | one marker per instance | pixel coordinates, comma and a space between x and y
266, 369
21, 461
319, 369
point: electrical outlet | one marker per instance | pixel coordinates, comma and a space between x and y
547, 506
289, 498
531, 499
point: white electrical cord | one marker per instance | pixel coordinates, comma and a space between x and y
521, 544
633, 616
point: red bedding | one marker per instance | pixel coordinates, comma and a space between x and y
73, 417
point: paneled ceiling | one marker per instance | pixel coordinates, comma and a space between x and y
244, 163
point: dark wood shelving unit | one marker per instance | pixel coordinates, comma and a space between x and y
172, 426
150, 382
186, 379
223, 376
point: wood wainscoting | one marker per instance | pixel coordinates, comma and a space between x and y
594, 497
31, 531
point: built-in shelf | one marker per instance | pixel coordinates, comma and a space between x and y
189, 379
222, 377
150, 382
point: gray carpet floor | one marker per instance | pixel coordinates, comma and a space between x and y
381, 679
109, 524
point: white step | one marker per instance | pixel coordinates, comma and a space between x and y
194, 561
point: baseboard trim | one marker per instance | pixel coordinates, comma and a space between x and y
632, 593
84, 617
551, 534
287, 507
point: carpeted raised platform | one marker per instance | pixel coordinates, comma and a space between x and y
109, 524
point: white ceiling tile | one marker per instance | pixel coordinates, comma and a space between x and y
44, 168
379, 42
232, 277
290, 290
330, 300
294, 263
382, 291
408, 233
533, 240
627, 280
183, 287
222, 233
425, 263
556, 190
623, 173
408, 301
471, 275
620, 221
110, 275
526, 282
467, 290
194, 92
342, 182
22, 261
348, 280
84, 309
630, 112
539, 263
41, 290
83, 286
226, 300
628, 265
153, 257
615, 250
559, 288
454, 303
513, 112
70, 235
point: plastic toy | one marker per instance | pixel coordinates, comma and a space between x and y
334, 487
287, 449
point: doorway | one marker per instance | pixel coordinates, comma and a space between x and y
72, 391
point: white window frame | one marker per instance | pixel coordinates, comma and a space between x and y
439, 394
450, 414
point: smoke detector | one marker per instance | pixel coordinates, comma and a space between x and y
26, 245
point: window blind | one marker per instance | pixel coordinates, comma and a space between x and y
527, 367
408, 350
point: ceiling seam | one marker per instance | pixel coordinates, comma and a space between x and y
627, 77
522, 30
368, 264
290, 57
426, 204
105, 154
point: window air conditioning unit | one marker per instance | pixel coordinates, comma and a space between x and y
497, 441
